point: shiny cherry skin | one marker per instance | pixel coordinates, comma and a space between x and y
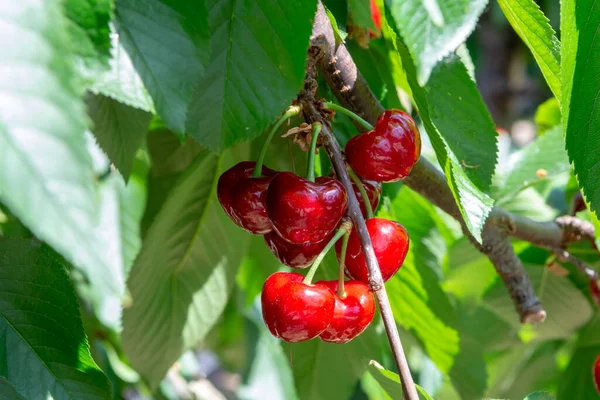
352, 314
388, 152
272, 289
597, 374
390, 243
244, 198
293, 310
292, 254
302, 211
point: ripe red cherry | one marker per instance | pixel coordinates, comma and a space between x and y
352, 314
292, 254
373, 190
295, 311
390, 243
302, 211
597, 374
244, 198
387, 153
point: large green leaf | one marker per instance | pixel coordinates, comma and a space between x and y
433, 29
545, 155
534, 29
421, 306
119, 129
461, 131
580, 22
89, 28
168, 42
46, 175
181, 280
258, 56
43, 349
390, 382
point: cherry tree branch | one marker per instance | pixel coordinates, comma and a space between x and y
342, 76
312, 113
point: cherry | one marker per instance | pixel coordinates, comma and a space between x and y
244, 198
295, 311
597, 374
390, 243
292, 254
388, 152
373, 190
352, 314
302, 211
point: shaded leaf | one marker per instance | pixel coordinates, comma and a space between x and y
540, 396
44, 348
390, 382
8, 391
89, 28
181, 280
547, 115
580, 107
433, 29
168, 42
532, 26
59, 201
360, 11
258, 56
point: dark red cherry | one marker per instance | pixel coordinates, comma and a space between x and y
390, 243
292, 254
269, 297
373, 190
244, 198
387, 153
352, 314
302, 211
597, 374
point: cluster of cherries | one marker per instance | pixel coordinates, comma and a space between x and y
300, 219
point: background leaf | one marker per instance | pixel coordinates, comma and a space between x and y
361, 13
532, 26
580, 108
433, 29
8, 391
89, 28
59, 201
390, 382
258, 56
119, 129
181, 280
44, 348
168, 42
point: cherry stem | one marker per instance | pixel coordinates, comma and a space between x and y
340, 290
311, 273
292, 111
354, 116
363, 192
310, 169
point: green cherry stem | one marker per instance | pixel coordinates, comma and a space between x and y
310, 169
311, 273
343, 110
362, 191
340, 290
292, 111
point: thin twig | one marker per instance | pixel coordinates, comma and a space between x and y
565, 256
313, 114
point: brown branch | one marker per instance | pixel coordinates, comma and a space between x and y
565, 256
352, 91
312, 114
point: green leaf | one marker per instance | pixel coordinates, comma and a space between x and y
8, 391
44, 348
119, 129
89, 28
539, 395
58, 201
258, 56
532, 26
580, 108
390, 382
433, 29
121, 81
547, 115
421, 306
461, 131
545, 155
181, 280
168, 42
360, 11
